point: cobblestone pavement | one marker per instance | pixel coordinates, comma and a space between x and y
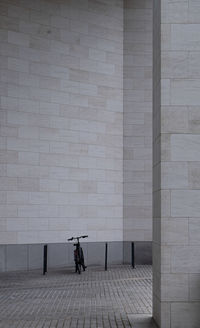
117, 298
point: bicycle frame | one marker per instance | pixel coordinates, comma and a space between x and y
78, 254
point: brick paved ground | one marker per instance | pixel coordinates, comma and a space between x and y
118, 298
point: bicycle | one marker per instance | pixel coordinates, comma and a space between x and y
78, 254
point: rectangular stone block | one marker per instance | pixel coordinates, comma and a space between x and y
194, 231
28, 184
194, 178
193, 11
185, 203
35, 256
174, 119
60, 22
193, 68
17, 38
185, 315
185, 37
175, 287
57, 255
174, 231
185, 92
19, 65
174, 175
194, 290
15, 224
175, 12
96, 253
165, 259
185, 259
115, 252
40, 17
2, 258
185, 147
16, 257
126, 252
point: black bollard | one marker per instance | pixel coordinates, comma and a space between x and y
45, 260
106, 256
133, 255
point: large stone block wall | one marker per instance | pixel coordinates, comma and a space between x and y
61, 134
138, 120
177, 164
157, 193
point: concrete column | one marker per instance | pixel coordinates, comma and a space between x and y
176, 163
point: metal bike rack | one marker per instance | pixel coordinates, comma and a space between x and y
133, 255
45, 260
106, 256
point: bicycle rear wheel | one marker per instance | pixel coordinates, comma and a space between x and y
79, 268
82, 259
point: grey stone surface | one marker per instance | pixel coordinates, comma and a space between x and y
126, 252
96, 254
141, 321
63, 147
117, 298
137, 118
143, 252
176, 143
16, 257
2, 258
115, 252
194, 287
57, 255
185, 315
61, 136
35, 256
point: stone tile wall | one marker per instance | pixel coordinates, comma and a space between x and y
138, 120
177, 164
61, 134
157, 193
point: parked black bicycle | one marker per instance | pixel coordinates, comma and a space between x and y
78, 254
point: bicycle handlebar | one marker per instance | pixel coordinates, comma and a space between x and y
72, 238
